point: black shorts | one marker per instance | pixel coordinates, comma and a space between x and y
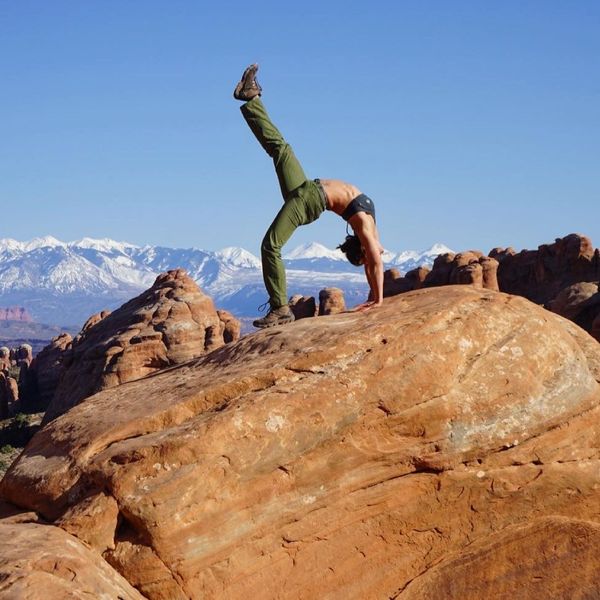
361, 203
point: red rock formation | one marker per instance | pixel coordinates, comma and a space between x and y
570, 300
46, 370
331, 301
230, 327
468, 274
445, 437
4, 358
24, 354
15, 313
516, 563
303, 307
9, 395
541, 274
490, 273
168, 324
58, 565
94, 320
443, 265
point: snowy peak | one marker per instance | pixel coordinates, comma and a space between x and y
314, 250
102, 245
436, 250
238, 257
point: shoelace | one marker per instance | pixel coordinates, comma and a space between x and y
263, 307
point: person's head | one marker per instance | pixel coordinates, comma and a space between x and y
353, 250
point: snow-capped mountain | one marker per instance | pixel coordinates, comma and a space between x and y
65, 282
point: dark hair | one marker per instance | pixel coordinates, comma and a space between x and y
352, 249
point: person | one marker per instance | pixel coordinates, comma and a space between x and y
304, 202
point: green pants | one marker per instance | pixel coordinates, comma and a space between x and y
302, 200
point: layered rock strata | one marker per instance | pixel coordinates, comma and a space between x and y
168, 324
358, 456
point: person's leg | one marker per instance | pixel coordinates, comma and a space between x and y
301, 208
289, 218
289, 171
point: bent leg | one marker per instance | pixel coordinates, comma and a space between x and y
289, 171
289, 218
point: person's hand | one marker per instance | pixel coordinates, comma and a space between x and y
365, 306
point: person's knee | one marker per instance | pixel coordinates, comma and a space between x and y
269, 246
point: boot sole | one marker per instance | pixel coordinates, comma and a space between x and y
282, 322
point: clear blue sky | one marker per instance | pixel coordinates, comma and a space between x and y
471, 123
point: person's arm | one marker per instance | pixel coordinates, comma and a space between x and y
373, 269
365, 229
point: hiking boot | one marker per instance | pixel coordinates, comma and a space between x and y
277, 316
248, 87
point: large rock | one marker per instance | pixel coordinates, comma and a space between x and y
46, 370
552, 557
331, 301
9, 395
342, 457
38, 562
168, 324
303, 307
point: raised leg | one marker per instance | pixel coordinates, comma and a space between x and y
289, 171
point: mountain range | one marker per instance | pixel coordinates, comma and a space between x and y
63, 283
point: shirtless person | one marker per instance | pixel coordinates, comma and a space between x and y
304, 202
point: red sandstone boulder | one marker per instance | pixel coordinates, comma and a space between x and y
168, 324
571, 299
551, 557
230, 327
303, 307
94, 320
331, 301
490, 273
4, 358
468, 274
46, 370
9, 395
38, 562
441, 437
443, 265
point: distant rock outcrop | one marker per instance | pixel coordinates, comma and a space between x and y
9, 394
331, 301
170, 323
5, 362
560, 276
445, 442
541, 274
46, 370
303, 307
15, 313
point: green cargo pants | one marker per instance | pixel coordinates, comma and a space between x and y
302, 199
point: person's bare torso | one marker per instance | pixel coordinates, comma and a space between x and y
339, 194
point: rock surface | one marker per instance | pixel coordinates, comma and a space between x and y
552, 557
46, 369
342, 457
40, 562
331, 301
303, 307
168, 324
